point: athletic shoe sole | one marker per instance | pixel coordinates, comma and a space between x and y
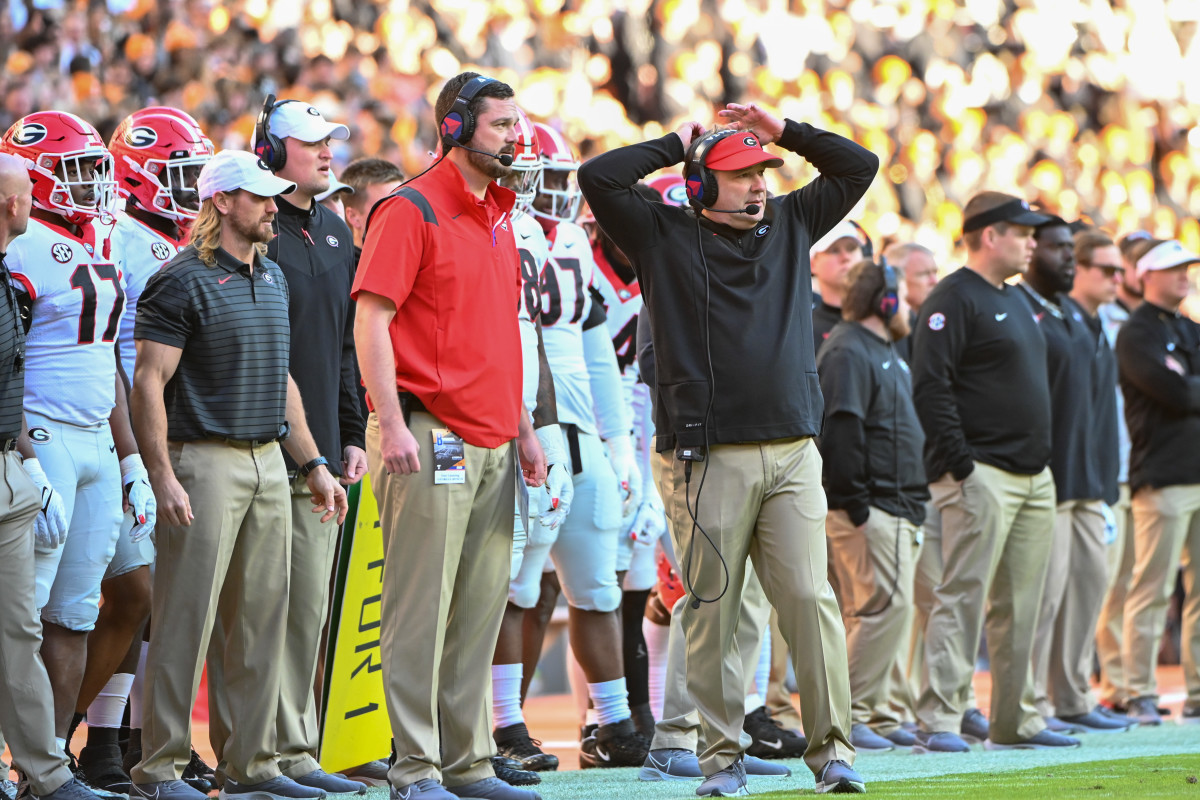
990, 745
842, 787
650, 774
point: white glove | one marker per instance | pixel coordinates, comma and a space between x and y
50, 527
559, 486
140, 496
650, 521
629, 477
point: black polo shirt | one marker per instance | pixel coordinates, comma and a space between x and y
232, 326
12, 359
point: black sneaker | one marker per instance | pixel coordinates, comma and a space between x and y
133, 751
515, 742
100, 767
770, 739
1190, 715
643, 719
509, 770
617, 744
198, 775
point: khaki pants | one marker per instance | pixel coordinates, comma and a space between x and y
680, 723
447, 557
26, 704
874, 568
1166, 534
763, 501
313, 549
1110, 626
1071, 600
996, 534
779, 700
908, 672
230, 564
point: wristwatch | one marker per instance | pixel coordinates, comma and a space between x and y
319, 461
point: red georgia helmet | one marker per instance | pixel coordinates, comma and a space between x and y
558, 155
152, 149
527, 162
672, 188
56, 146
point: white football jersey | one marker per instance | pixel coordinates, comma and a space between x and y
623, 302
565, 305
533, 252
139, 251
78, 298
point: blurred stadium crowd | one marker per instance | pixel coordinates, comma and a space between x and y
1083, 105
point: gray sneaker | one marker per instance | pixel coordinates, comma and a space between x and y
332, 784
1097, 721
838, 777
165, 790
901, 737
1058, 725
425, 789
493, 789
866, 740
1144, 710
1190, 715
73, 789
670, 764
761, 768
372, 773
975, 726
728, 782
1043, 740
280, 787
940, 742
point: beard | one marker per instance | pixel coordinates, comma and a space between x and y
257, 232
490, 166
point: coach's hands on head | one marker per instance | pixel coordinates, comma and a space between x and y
766, 127
327, 494
50, 526
688, 131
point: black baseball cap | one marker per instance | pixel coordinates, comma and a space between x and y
1015, 211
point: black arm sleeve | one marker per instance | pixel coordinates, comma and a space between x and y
846, 171
844, 451
936, 352
607, 182
351, 422
1142, 357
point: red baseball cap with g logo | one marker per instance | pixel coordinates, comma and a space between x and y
739, 152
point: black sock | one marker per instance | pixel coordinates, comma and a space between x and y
99, 737
637, 661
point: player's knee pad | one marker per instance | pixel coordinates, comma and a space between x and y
525, 588
641, 570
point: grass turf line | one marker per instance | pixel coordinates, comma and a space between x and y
1174, 776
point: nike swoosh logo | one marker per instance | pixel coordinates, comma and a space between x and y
887, 365
222, 280
775, 745
603, 755
569, 245
456, 216
1001, 317
525, 235
112, 448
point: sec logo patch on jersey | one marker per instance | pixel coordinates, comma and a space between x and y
937, 321
160, 251
61, 252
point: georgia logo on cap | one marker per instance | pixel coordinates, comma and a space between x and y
312, 112
749, 141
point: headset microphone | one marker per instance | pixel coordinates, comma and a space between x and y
751, 209
505, 159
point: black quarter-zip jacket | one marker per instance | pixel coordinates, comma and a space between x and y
315, 249
743, 297
1158, 355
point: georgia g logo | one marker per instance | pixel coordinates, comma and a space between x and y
677, 194
29, 133
39, 435
61, 253
750, 141
141, 137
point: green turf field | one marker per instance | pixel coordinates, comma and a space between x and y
1144, 763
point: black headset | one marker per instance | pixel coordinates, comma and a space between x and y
889, 294
459, 122
267, 146
699, 180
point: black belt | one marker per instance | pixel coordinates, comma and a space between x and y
409, 403
248, 444
572, 432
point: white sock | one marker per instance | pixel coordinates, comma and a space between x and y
135, 693
656, 650
108, 709
762, 675
506, 695
611, 700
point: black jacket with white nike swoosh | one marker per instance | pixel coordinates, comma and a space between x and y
979, 379
752, 289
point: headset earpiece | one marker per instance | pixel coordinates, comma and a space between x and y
698, 180
267, 146
889, 296
459, 122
